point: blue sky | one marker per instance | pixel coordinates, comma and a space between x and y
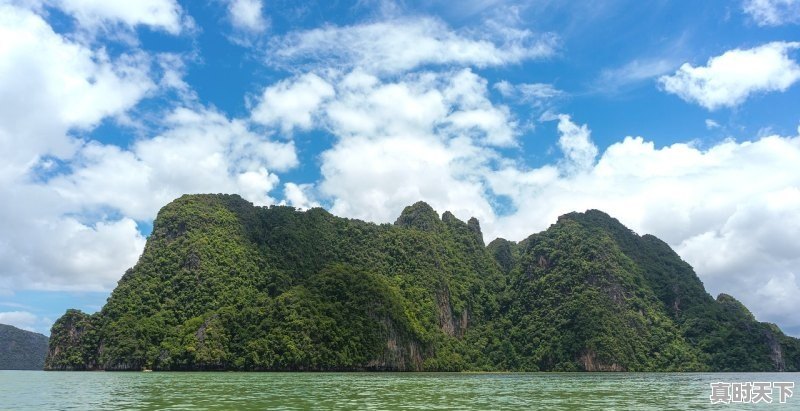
678, 118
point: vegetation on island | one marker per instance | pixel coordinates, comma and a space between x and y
21, 349
225, 285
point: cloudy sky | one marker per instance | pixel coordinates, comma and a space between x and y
678, 118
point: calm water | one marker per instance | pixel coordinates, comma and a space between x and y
37, 390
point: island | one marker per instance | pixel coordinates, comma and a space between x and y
226, 285
21, 349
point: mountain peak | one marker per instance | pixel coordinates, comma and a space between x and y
735, 306
419, 215
591, 215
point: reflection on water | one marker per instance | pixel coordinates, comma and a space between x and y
370, 391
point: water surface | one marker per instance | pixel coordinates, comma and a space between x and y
38, 390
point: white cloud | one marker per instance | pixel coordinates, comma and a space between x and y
453, 103
20, 319
472, 113
640, 184
366, 107
165, 15
527, 91
44, 247
427, 133
65, 233
417, 167
636, 71
758, 242
64, 254
773, 12
26, 320
540, 98
69, 222
729, 79
292, 103
173, 71
247, 15
299, 196
576, 144
256, 184
395, 46
201, 152
50, 85
711, 124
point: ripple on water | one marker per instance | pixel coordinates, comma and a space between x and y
36, 390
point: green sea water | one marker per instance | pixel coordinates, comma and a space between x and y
38, 390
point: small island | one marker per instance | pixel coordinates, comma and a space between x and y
21, 349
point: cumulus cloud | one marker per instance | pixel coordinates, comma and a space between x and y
69, 219
66, 233
292, 103
49, 85
729, 79
758, 241
473, 113
418, 167
425, 132
576, 144
454, 103
63, 253
247, 15
367, 107
299, 195
202, 151
164, 15
773, 12
395, 46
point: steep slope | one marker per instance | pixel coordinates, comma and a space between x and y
727, 334
225, 285
576, 302
20, 349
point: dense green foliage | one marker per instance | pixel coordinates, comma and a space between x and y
226, 285
726, 333
20, 349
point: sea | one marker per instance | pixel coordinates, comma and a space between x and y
40, 390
